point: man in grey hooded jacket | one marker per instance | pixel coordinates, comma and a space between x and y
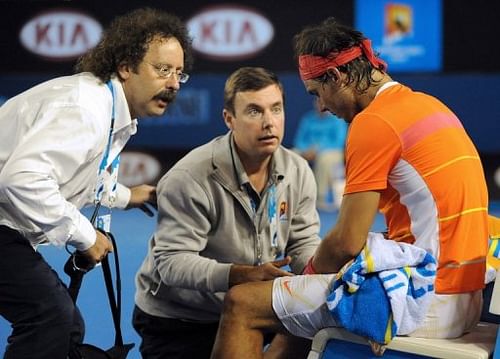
234, 210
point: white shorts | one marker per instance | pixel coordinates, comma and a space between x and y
449, 316
300, 304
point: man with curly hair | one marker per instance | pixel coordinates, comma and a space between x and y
58, 151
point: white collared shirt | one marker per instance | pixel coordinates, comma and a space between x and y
51, 144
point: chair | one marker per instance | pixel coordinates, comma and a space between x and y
480, 343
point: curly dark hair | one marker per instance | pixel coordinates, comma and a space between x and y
331, 36
127, 39
248, 79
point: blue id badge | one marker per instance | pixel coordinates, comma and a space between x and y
104, 222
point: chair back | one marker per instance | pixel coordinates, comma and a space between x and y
495, 297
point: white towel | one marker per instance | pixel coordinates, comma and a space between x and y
385, 291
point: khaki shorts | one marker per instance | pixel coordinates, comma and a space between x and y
300, 304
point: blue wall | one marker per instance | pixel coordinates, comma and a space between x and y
196, 117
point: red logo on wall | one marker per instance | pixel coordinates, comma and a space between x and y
230, 32
60, 34
137, 168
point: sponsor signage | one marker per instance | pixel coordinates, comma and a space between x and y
496, 182
137, 168
60, 34
230, 32
406, 33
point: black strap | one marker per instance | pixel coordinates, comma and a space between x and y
76, 267
115, 303
75, 275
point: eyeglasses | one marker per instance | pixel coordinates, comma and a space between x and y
165, 72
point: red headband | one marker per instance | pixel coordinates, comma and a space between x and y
311, 66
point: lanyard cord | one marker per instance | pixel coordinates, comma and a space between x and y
272, 215
102, 167
105, 159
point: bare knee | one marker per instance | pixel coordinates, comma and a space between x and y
250, 305
237, 300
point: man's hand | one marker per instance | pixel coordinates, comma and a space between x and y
242, 273
141, 196
99, 250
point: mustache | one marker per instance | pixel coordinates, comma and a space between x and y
167, 96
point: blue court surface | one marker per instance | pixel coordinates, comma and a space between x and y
132, 229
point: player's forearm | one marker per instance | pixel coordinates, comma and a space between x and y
335, 251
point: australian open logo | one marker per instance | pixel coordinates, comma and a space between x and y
283, 211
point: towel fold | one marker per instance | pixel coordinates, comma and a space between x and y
385, 291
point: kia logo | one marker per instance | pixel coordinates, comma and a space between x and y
230, 32
60, 35
137, 168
